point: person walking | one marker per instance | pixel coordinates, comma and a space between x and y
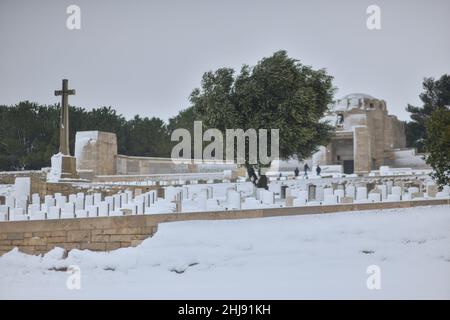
306, 168
318, 169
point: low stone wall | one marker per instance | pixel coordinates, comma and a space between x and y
109, 233
37, 177
130, 165
97, 234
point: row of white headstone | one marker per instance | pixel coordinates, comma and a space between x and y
240, 196
78, 205
210, 197
360, 194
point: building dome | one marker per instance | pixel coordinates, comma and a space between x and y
351, 101
357, 96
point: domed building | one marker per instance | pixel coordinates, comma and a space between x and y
366, 138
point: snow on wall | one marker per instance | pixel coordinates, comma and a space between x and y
409, 158
83, 139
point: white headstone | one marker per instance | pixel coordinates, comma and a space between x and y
361, 193
110, 201
49, 201
123, 199
339, 193
35, 199
446, 190
38, 216
251, 203
268, 197
374, 197
104, 209
97, 198
441, 195
299, 201
22, 187
393, 197
413, 190
213, 205
10, 201
389, 185
60, 201
258, 193
92, 210
72, 198
327, 191
383, 190
68, 211
139, 206
54, 213
81, 213
17, 214
234, 199
350, 191
4, 212
117, 202
34, 208
396, 190
330, 199
88, 200
302, 198
406, 196
79, 202
22, 203
129, 194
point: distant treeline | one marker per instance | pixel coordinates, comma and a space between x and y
29, 133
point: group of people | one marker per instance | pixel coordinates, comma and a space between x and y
262, 182
306, 168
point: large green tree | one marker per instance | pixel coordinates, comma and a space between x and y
436, 94
437, 144
279, 92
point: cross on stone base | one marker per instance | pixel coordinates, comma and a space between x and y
64, 117
63, 164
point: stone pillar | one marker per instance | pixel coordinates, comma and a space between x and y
96, 151
361, 149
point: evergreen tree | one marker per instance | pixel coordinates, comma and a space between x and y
436, 94
437, 144
277, 93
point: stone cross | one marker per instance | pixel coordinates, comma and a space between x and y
64, 117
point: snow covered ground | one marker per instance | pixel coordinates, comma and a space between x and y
297, 257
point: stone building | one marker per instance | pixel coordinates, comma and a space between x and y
366, 138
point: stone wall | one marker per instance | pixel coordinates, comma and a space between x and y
97, 234
109, 233
128, 165
38, 179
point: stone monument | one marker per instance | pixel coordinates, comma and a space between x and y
63, 164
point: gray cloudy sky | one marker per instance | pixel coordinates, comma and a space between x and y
145, 57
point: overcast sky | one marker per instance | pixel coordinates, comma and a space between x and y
145, 57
